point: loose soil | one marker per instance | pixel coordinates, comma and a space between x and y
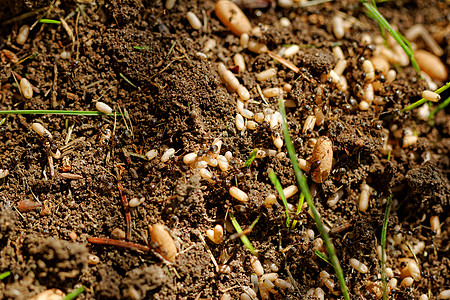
175, 99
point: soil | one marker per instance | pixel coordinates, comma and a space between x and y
143, 59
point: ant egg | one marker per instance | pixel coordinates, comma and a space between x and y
170, 4
338, 27
167, 155
338, 53
22, 36
431, 96
369, 70
39, 129
238, 194
223, 163
103, 107
151, 154
290, 191
240, 62
266, 74
190, 158
270, 200
358, 266
240, 123
207, 175
232, 17
243, 92
364, 197
291, 51
309, 124
26, 88
272, 92
243, 41
256, 47
340, 67
229, 77
93, 259
435, 224
278, 142
256, 266
194, 20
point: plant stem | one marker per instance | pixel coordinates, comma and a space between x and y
54, 112
301, 180
279, 189
251, 158
49, 21
74, 294
299, 208
4, 275
243, 237
423, 100
401, 40
439, 108
383, 247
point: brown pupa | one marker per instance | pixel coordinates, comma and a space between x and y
322, 158
163, 242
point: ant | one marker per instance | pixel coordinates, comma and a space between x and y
71, 73
314, 166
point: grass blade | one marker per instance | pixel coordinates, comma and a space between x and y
322, 257
243, 237
128, 80
299, 208
399, 38
142, 47
301, 180
4, 275
279, 189
423, 100
49, 21
54, 112
74, 294
251, 158
439, 108
383, 247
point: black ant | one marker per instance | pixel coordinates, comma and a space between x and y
71, 74
314, 166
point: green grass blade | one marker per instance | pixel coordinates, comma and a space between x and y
3, 121
49, 21
399, 38
439, 108
74, 294
279, 189
55, 112
251, 158
322, 257
383, 247
4, 275
243, 237
301, 180
142, 47
254, 222
422, 101
299, 208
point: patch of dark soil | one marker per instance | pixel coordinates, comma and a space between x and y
428, 183
54, 261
